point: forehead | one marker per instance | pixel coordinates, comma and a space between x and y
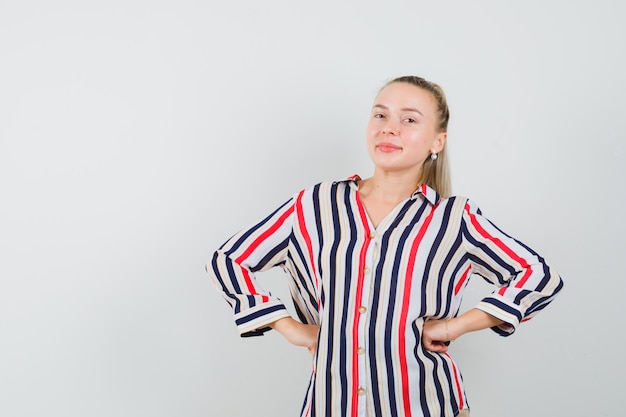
401, 95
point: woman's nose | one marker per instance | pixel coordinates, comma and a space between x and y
390, 128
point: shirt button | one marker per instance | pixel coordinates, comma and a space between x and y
362, 309
360, 350
361, 391
372, 235
366, 271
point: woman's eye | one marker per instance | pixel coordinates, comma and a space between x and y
409, 120
379, 116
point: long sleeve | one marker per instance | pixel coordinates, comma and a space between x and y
234, 264
526, 282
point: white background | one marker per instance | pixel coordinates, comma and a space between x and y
136, 136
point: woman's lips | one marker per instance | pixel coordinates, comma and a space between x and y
387, 147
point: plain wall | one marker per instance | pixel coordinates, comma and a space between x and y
136, 136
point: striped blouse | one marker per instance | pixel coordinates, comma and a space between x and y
371, 289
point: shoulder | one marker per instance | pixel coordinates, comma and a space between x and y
459, 207
461, 199
326, 187
455, 200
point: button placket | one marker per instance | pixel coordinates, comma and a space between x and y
362, 331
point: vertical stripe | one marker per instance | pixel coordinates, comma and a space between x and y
461, 282
406, 298
457, 383
351, 238
357, 305
307, 239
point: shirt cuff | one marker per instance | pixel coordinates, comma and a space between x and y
502, 308
255, 321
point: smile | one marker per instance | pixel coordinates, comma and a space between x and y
388, 147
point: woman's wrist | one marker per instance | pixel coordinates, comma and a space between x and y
449, 335
471, 321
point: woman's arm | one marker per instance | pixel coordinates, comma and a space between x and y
436, 333
526, 282
297, 333
235, 264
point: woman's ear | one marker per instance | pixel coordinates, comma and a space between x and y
440, 140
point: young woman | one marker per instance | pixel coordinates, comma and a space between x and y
377, 269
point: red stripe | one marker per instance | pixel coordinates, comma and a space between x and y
459, 285
250, 285
505, 249
520, 283
459, 392
307, 241
357, 314
259, 240
406, 296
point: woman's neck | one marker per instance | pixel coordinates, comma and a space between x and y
389, 188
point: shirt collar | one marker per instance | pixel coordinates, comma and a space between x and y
429, 194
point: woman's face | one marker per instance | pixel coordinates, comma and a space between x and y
402, 131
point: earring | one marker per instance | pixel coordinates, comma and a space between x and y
433, 156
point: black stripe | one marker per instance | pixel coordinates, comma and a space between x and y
303, 278
429, 260
269, 256
343, 354
330, 305
216, 273
235, 245
504, 307
259, 313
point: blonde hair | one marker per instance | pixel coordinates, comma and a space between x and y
435, 173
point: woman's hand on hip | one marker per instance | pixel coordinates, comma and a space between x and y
436, 335
297, 333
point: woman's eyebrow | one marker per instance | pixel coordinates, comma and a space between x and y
381, 106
